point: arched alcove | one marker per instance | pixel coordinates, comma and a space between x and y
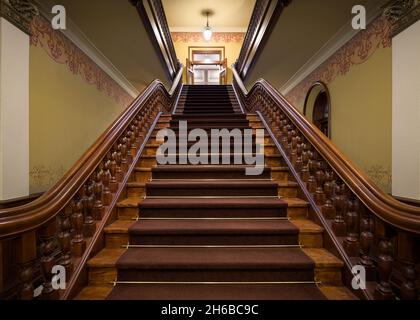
318, 107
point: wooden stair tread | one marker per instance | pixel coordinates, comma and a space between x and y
323, 258
218, 258
307, 226
296, 202
94, 293
337, 293
119, 226
187, 291
129, 203
214, 203
106, 258
213, 227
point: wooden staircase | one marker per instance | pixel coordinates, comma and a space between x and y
212, 218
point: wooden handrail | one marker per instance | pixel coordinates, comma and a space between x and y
59, 227
364, 225
388, 209
28, 217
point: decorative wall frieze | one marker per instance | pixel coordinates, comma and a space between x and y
355, 52
19, 12
402, 14
194, 37
64, 51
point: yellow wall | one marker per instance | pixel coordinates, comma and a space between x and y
67, 115
361, 115
232, 50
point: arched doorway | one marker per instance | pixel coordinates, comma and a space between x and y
318, 107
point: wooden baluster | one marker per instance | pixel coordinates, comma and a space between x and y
339, 225
89, 225
98, 208
113, 182
285, 129
106, 180
48, 248
328, 209
139, 129
304, 172
119, 175
129, 156
64, 239
383, 290
123, 149
78, 242
408, 286
366, 242
312, 165
136, 136
320, 197
299, 150
26, 250
288, 146
351, 243
133, 139
293, 148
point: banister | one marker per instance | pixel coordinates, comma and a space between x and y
31, 216
363, 225
385, 207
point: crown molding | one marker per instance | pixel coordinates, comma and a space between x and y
215, 29
344, 35
75, 35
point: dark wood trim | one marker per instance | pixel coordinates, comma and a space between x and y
78, 280
385, 207
264, 17
412, 202
384, 229
153, 17
327, 91
7, 204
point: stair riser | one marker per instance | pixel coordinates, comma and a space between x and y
271, 162
125, 213
222, 275
102, 276
142, 177
267, 140
281, 176
329, 276
178, 191
288, 192
116, 240
207, 175
211, 213
297, 212
311, 240
151, 151
214, 240
136, 192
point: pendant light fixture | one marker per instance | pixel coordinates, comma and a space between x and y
207, 32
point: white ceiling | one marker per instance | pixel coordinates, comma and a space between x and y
229, 15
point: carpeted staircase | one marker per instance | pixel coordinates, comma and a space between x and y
210, 231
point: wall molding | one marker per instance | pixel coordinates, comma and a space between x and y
80, 40
343, 36
194, 37
215, 29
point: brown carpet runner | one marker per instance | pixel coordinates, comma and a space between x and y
209, 232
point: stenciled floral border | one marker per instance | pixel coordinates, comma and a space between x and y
187, 37
63, 51
355, 52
